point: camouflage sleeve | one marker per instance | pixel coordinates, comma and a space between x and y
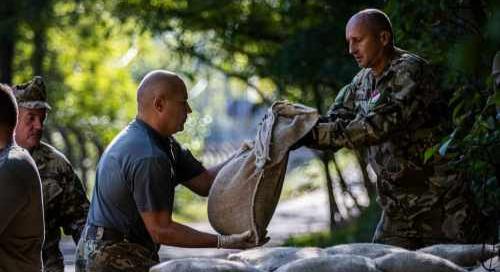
394, 111
75, 205
343, 107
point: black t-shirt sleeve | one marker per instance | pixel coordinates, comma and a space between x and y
152, 185
187, 166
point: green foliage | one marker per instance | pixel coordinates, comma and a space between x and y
299, 45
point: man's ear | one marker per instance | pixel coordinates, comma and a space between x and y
158, 104
385, 37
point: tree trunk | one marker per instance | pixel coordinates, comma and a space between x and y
39, 41
334, 209
7, 50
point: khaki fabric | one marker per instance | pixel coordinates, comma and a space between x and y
246, 191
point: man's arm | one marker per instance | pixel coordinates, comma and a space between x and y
395, 112
165, 231
152, 197
202, 183
74, 206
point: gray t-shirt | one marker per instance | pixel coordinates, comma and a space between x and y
137, 173
21, 208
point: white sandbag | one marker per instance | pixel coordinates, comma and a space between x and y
202, 265
270, 258
492, 263
411, 261
332, 263
370, 250
463, 255
246, 191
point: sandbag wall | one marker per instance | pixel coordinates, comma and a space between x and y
358, 257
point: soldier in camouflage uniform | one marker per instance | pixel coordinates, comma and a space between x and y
389, 112
65, 202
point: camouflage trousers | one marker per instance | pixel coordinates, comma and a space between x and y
111, 256
411, 235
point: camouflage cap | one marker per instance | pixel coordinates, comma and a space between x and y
32, 94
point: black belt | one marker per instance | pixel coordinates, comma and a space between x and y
105, 234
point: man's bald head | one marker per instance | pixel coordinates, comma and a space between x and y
162, 102
375, 20
159, 83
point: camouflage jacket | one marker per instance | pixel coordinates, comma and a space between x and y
65, 202
392, 121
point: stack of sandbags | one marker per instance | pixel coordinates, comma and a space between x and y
412, 261
349, 257
271, 258
490, 265
463, 255
202, 265
333, 263
246, 191
370, 250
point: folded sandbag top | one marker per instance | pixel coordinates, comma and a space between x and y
246, 191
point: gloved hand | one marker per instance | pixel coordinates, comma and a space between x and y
238, 241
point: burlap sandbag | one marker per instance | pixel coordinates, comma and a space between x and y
490, 265
370, 250
202, 265
246, 191
333, 263
271, 258
463, 255
412, 261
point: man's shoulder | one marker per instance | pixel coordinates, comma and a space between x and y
134, 143
18, 160
47, 153
407, 61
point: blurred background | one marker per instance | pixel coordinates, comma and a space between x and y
237, 57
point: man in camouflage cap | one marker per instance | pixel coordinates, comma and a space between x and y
389, 112
65, 202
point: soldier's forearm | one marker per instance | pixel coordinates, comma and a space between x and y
175, 234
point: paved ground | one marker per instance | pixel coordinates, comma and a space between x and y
308, 213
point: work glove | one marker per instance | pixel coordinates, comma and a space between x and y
238, 241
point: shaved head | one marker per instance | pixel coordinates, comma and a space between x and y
375, 20
162, 102
159, 83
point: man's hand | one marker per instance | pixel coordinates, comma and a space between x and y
238, 241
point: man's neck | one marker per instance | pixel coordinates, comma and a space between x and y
385, 59
152, 124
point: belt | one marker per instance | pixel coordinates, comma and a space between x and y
106, 234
